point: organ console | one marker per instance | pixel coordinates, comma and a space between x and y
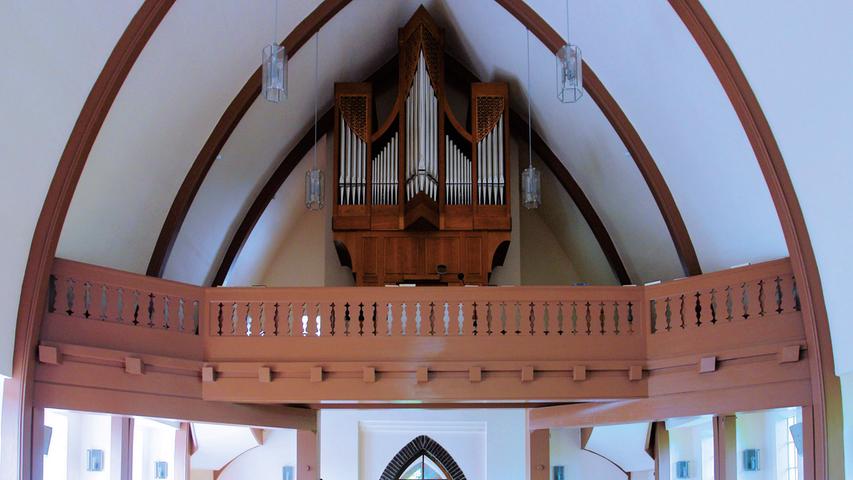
420, 198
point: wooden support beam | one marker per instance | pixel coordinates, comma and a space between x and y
39, 442
725, 447
183, 452
307, 455
662, 470
540, 454
222, 132
121, 449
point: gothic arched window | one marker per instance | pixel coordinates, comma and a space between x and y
422, 459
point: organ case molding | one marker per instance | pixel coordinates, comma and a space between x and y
420, 189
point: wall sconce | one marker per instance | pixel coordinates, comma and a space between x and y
94, 460
681, 469
161, 470
287, 473
559, 472
751, 460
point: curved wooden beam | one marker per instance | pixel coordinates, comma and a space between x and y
18, 390
18, 394
626, 131
462, 76
531, 20
827, 434
558, 168
458, 72
220, 134
386, 74
265, 196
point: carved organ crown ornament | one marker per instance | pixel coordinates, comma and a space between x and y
420, 198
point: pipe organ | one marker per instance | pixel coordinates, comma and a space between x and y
421, 197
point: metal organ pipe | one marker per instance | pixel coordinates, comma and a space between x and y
501, 163
491, 178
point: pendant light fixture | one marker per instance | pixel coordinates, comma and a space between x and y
531, 193
569, 69
274, 70
315, 181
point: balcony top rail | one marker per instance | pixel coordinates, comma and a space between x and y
686, 305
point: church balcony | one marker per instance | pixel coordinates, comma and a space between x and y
135, 335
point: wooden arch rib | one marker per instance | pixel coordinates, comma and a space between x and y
462, 77
18, 393
17, 415
530, 19
626, 131
456, 71
828, 435
226, 125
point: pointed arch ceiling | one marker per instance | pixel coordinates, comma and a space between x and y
156, 154
817, 22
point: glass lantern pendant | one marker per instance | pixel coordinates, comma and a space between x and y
274, 73
531, 193
314, 189
569, 74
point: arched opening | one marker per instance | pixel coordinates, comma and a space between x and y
423, 459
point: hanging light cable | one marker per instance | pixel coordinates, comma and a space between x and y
314, 178
569, 69
274, 74
531, 194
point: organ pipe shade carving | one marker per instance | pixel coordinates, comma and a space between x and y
569, 74
274, 73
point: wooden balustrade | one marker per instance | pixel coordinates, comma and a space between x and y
741, 306
304, 345
663, 311
90, 292
425, 311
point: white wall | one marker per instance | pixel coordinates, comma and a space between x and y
761, 430
800, 69
73, 434
579, 464
685, 444
153, 441
52, 53
264, 462
487, 444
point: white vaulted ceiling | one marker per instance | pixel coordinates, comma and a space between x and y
203, 52
182, 83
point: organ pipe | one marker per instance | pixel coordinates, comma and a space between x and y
491, 178
384, 176
352, 185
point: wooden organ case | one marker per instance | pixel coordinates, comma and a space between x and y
420, 198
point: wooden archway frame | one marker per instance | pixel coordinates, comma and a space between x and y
422, 445
18, 390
